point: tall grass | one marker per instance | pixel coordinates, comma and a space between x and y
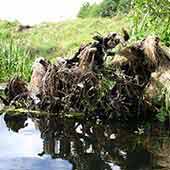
14, 60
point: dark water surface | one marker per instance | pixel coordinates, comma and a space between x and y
51, 143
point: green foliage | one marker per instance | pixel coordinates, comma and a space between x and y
148, 17
88, 10
151, 17
124, 6
164, 102
6, 29
162, 115
13, 60
84, 10
107, 8
106, 85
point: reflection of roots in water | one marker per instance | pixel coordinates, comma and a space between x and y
96, 145
87, 144
77, 141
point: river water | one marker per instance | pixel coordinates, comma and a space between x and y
51, 143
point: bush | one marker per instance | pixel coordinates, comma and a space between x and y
151, 17
124, 6
107, 8
88, 10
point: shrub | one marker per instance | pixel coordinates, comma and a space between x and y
151, 17
88, 10
107, 8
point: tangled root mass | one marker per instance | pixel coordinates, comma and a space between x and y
85, 84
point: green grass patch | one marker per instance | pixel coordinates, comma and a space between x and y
14, 60
50, 40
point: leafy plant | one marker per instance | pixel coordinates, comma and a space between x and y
151, 17
107, 8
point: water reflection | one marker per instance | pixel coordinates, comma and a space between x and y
15, 122
19, 151
86, 145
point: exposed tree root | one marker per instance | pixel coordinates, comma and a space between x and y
85, 84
